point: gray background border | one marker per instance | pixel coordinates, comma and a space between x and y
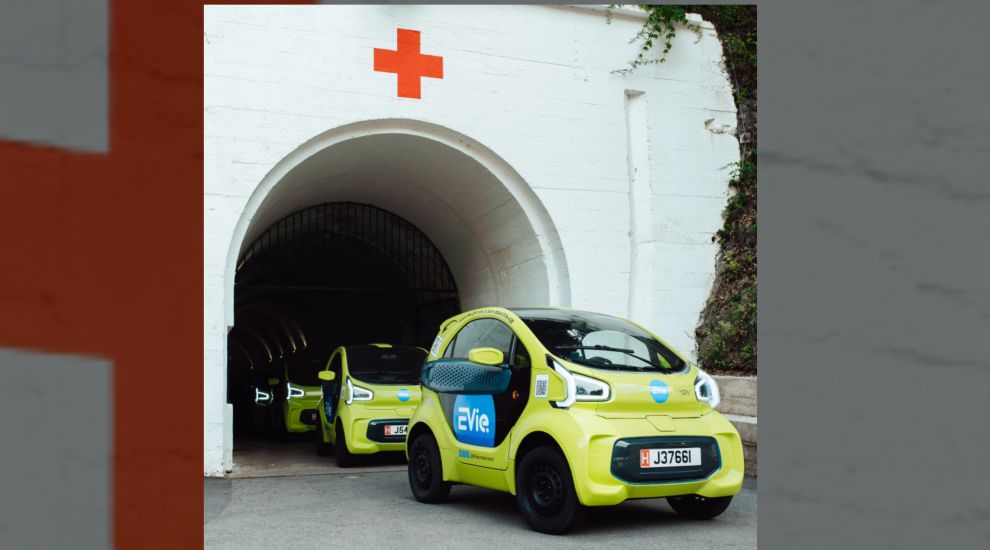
874, 206
873, 308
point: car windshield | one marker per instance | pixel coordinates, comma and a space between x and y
304, 370
394, 365
599, 341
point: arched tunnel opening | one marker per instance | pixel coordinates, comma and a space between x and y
331, 274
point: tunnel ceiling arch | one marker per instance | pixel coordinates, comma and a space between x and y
320, 245
320, 276
496, 236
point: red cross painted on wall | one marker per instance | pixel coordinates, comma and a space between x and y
406, 62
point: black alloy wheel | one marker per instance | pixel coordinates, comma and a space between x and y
426, 471
345, 459
545, 492
699, 507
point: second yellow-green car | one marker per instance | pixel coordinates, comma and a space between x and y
569, 409
368, 394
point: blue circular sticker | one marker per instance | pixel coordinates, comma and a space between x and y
659, 391
403, 394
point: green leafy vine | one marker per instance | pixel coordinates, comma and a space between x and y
659, 29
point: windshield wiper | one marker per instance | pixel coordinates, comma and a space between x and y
599, 347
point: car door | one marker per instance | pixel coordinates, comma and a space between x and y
331, 391
480, 424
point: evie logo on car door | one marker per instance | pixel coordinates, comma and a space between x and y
474, 420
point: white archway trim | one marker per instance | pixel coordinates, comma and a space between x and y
558, 282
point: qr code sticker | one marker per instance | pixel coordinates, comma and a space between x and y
542, 385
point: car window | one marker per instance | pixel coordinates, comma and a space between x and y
393, 365
303, 368
613, 339
482, 333
520, 360
599, 341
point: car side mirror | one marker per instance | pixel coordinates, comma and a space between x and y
326, 375
464, 377
273, 381
489, 357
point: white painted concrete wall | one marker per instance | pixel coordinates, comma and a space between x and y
530, 86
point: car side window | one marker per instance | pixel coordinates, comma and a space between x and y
331, 390
510, 403
482, 333
520, 357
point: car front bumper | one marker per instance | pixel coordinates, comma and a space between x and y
608, 472
365, 428
297, 412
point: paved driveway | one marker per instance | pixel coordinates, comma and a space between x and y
373, 508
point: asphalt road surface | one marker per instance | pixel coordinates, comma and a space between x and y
373, 508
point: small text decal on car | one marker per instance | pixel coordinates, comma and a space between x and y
436, 345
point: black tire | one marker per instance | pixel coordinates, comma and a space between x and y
426, 471
322, 447
344, 457
699, 507
545, 492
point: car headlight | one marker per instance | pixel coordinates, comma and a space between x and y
293, 391
706, 389
579, 387
590, 389
261, 397
357, 393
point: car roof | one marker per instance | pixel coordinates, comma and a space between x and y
524, 312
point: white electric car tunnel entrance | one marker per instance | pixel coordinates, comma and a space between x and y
374, 232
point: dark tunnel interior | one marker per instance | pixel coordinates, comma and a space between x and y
329, 275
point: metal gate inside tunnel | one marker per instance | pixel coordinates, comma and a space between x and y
331, 274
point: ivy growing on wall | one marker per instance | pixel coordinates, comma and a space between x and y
726, 332
658, 31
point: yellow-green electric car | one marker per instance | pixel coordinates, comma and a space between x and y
368, 395
569, 409
301, 390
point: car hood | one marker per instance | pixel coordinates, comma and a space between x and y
391, 395
645, 394
311, 394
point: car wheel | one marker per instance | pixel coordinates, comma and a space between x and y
426, 471
345, 459
282, 433
322, 447
545, 492
699, 507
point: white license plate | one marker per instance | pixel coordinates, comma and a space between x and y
669, 458
398, 429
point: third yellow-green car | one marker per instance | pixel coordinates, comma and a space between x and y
569, 409
368, 394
